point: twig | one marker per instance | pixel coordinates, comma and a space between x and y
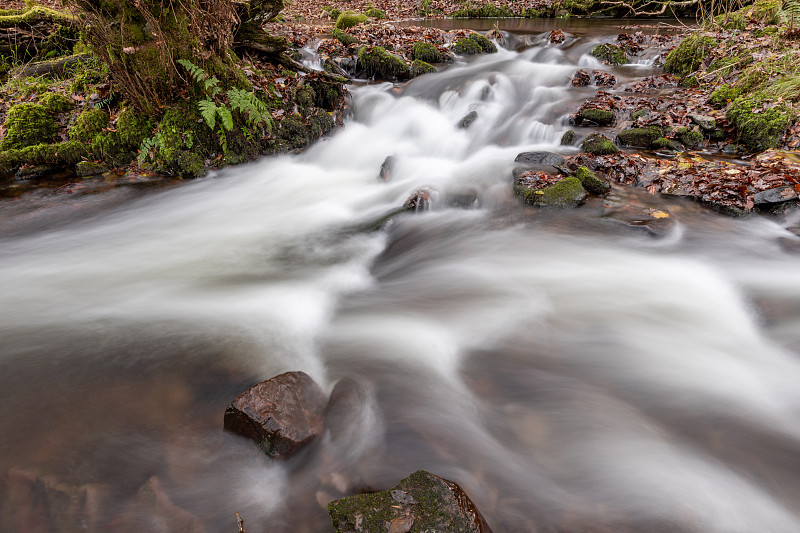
240, 523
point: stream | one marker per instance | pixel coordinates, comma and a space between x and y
574, 371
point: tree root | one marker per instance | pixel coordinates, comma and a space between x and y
35, 15
636, 13
53, 66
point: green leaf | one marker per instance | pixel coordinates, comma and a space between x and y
208, 110
225, 117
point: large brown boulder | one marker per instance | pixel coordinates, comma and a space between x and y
281, 414
420, 502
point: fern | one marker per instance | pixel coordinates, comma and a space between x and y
249, 105
225, 117
208, 110
147, 147
791, 10
209, 83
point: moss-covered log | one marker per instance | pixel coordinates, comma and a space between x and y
50, 67
34, 15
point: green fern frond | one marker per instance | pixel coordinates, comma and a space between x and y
249, 105
225, 117
146, 148
208, 110
196, 72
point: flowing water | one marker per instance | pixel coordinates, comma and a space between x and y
573, 371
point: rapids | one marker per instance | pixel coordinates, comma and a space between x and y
571, 372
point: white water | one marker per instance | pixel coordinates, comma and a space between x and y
570, 374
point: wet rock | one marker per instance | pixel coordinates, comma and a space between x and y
599, 144
87, 168
706, 123
281, 414
603, 79
32, 502
568, 138
420, 502
385, 173
420, 200
592, 182
639, 137
539, 158
467, 121
556, 37
775, 196
153, 510
581, 79
640, 113
662, 143
343, 414
690, 138
610, 53
464, 199
36, 172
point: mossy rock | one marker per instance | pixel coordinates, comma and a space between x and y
349, 19
530, 13
28, 125
484, 11
88, 125
568, 192
487, 46
640, 113
691, 138
689, 54
56, 103
375, 13
610, 53
601, 117
466, 47
184, 141
639, 137
763, 130
662, 143
327, 94
419, 67
420, 502
426, 52
723, 95
376, 62
599, 144
343, 37
84, 169
592, 182
568, 138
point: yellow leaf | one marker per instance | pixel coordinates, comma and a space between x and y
659, 214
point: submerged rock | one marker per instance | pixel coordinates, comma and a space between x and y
420, 502
467, 121
387, 166
281, 414
153, 510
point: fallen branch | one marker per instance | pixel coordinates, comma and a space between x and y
35, 15
290, 63
664, 6
52, 66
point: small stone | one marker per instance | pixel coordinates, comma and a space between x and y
775, 196
639, 137
581, 79
467, 121
281, 414
420, 200
568, 138
706, 123
599, 144
385, 173
539, 158
601, 117
592, 182
87, 168
401, 496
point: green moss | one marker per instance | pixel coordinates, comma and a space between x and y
566, 193
663, 143
34, 14
686, 58
27, 125
376, 62
531, 13
603, 117
419, 67
66, 153
591, 182
375, 13
85, 169
59, 43
88, 124
568, 138
426, 52
639, 137
766, 11
181, 135
640, 113
332, 11
327, 94
599, 144
764, 129
348, 19
304, 96
133, 127
723, 94
610, 53
689, 137
56, 103
487, 46
484, 11
343, 37
731, 21
466, 47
